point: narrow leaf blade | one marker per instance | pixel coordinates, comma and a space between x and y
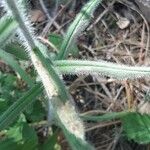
7, 29
79, 24
15, 109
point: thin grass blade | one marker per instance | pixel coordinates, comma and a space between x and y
79, 24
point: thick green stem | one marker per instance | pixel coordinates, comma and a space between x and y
102, 68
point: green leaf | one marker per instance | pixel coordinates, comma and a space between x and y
17, 51
35, 112
19, 106
15, 132
53, 75
9, 143
137, 127
51, 142
79, 24
20, 136
7, 29
29, 134
3, 105
8, 58
102, 68
57, 40
9, 90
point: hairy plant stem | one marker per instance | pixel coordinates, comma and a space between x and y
38, 60
103, 68
64, 110
24, 29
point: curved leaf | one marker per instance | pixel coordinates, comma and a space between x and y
137, 127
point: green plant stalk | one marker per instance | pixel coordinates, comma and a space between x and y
17, 51
70, 123
102, 68
21, 19
105, 117
79, 24
68, 117
45, 63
